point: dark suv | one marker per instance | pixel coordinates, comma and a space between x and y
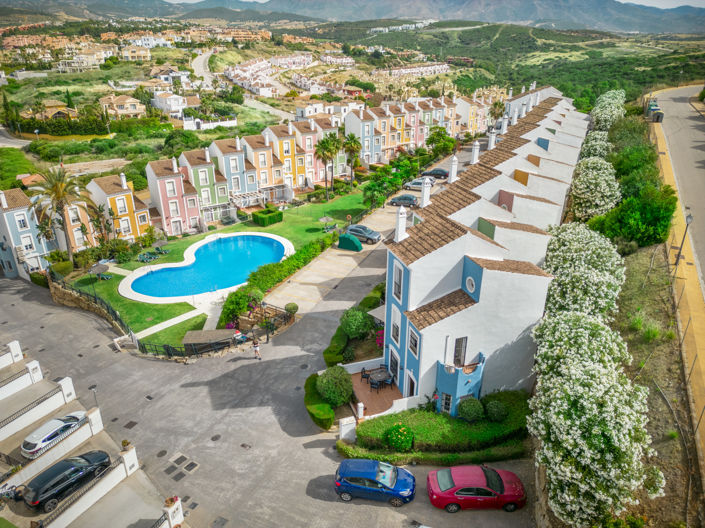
436, 173
60, 480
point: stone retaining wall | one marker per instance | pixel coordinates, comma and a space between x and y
73, 300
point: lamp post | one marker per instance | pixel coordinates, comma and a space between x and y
688, 220
36, 132
94, 390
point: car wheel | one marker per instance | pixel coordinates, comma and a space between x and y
396, 502
452, 507
345, 497
509, 507
50, 505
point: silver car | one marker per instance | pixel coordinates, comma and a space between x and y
364, 233
47, 433
417, 184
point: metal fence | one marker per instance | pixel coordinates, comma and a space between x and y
181, 351
10, 461
59, 438
159, 522
29, 407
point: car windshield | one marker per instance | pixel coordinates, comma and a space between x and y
387, 474
365, 229
445, 479
77, 461
494, 481
69, 419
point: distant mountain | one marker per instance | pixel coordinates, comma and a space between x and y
100, 9
245, 15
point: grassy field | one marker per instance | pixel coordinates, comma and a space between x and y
137, 315
175, 56
4, 523
174, 335
300, 225
13, 162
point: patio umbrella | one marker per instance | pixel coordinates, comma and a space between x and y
97, 269
159, 243
326, 219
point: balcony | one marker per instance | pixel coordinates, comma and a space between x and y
461, 381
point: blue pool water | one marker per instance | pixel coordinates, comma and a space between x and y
222, 263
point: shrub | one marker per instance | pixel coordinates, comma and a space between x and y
496, 411
632, 158
595, 189
62, 268
291, 308
356, 323
349, 353
267, 217
628, 131
595, 145
399, 437
584, 290
373, 299
57, 256
334, 353
335, 386
40, 279
471, 409
211, 228
320, 412
651, 332
575, 244
639, 179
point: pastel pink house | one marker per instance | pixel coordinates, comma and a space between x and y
174, 198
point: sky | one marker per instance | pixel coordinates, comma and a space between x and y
664, 4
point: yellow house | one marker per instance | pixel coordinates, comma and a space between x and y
283, 141
130, 215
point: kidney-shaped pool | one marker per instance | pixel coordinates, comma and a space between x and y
221, 263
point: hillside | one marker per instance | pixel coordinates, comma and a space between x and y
246, 15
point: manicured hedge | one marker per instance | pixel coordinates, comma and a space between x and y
320, 412
39, 279
334, 353
513, 448
373, 299
443, 433
62, 268
267, 217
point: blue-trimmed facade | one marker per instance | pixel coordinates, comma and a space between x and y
13, 236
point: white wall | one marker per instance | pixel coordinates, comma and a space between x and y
468, 216
523, 245
536, 213
489, 190
32, 374
354, 368
13, 355
551, 189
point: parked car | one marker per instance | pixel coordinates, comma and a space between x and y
436, 173
478, 487
49, 432
63, 478
408, 200
370, 479
364, 233
417, 184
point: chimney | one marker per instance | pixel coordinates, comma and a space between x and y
475, 155
536, 102
533, 86
425, 193
291, 129
361, 112
530, 103
523, 89
522, 114
511, 92
266, 139
474, 96
416, 104
310, 123
505, 124
453, 176
387, 111
400, 232
515, 116
123, 180
3, 201
489, 100
174, 166
208, 155
237, 143
493, 140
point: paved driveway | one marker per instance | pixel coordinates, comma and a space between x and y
7, 140
230, 435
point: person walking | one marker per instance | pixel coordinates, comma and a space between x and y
255, 346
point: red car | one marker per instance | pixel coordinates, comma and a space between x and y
478, 487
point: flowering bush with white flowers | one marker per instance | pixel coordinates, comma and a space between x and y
608, 108
584, 290
590, 420
596, 145
595, 189
575, 245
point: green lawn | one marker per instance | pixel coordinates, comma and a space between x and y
4, 523
174, 335
12, 163
300, 225
137, 315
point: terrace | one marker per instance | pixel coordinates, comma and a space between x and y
375, 401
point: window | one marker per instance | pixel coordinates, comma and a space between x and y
251, 178
398, 122
78, 237
173, 208
413, 342
27, 242
287, 165
277, 174
21, 219
299, 162
376, 141
73, 215
384, 126
412, 120
191, 202
142, 219
309, 144
170, 188
234, 165
203, 176
367, 144
470, 284
446, 402
236, 184
461, 344
206, 196
287, 148
121, 205
193, 222
341, 168
125, 227
309, 159
398, 277
263, 176
262, 159
222, 190
384, 141
367, 130
395, 325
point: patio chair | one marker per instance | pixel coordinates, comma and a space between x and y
364, 375
104, 276
161, 251
142, 258
152, 255
383, 366
389, 381
374, 385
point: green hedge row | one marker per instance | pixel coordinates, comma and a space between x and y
267, 217
269, 275
443, 433
513, 448
373, 299
62, 268
320, 412
39, 279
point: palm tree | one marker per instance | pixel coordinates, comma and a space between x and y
352, 148
55, 193
323, 154
496, 111
335, 143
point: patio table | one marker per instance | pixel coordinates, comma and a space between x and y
380, 375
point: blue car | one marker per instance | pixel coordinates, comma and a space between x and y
370, 479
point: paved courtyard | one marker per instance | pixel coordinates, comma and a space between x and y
230, 435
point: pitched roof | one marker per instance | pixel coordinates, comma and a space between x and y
534, 198
140, 205
16, 199
437, 310
189, 188
496, 156
281, 131
227, 146
516, 226
111, 184
478, 174
428, 236
511, 141
304, 127
510, 266
154, 213
256, 142
193, 100
196, 157
219, 176
162, 167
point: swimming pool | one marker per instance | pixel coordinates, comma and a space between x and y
216, 264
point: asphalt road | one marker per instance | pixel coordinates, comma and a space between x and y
200, 69
684, 129
7, 140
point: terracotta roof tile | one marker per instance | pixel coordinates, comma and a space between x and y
510, 266
496, 156
154, 213
16, 199
534, 198
227, 146
249, 166
426, 237
162, 168
479, 173
140, 205
281, 131
516, 226
111, 185
304, 127
441, 308
219, 176
196, 157
189, 188
256, 142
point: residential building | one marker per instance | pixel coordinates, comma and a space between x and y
415, 70
283, 140
291, 62
338, 167
130, 216
210, 184
122, 106
337, 60
169, 74
240, 173
51, 109
306, 138
3, 78
81, 233
171, 104
135, 53
174, 199
22, 250
362, 123
269, 168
